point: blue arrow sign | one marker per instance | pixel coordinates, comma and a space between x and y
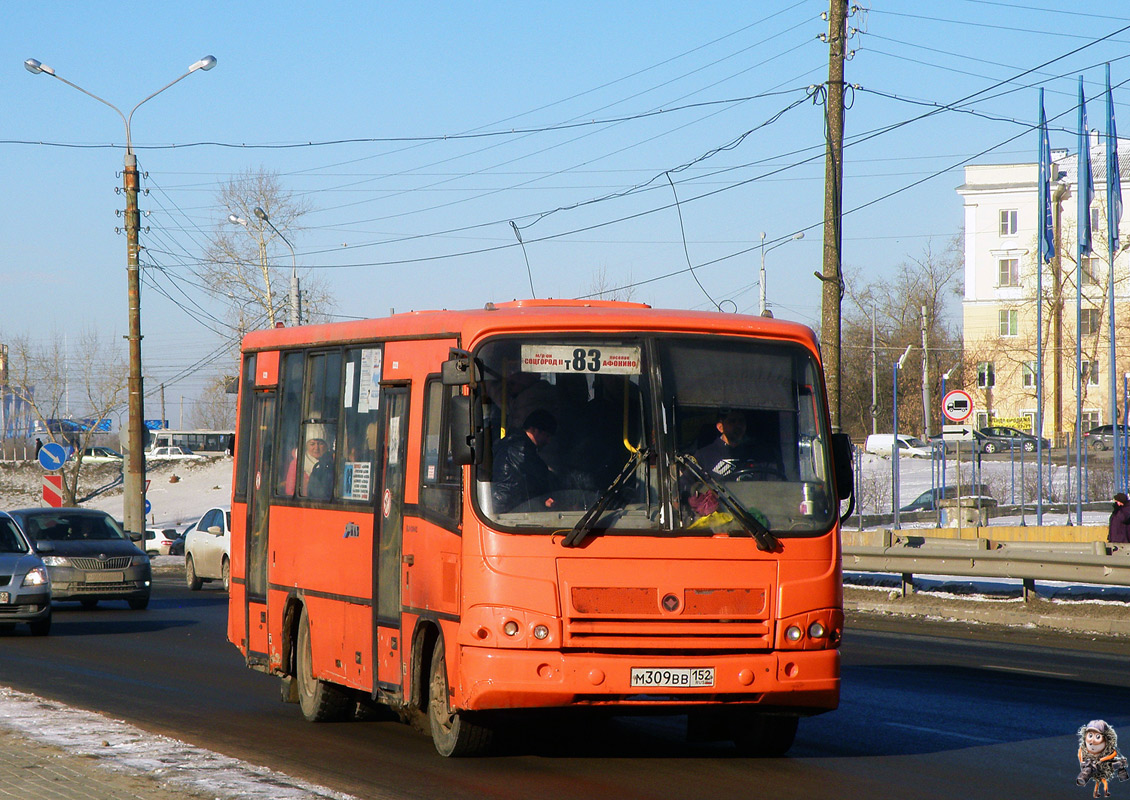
52, 456
148, 507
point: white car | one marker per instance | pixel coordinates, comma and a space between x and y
207, 549
157, 542
100, 455
172, 452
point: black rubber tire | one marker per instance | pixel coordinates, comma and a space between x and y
41, 627
764, 735
990, 447
454, 733
1029, 447
225, 572
320, 701
190, 577
139, 603
88, 603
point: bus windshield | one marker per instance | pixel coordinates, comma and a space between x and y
685, 435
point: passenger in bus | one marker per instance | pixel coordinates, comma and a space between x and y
520, 474
317, 466
729, 448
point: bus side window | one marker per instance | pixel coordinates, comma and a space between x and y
359, 423
440, 477
290, 421
314, 468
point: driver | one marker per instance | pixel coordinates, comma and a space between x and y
722, 456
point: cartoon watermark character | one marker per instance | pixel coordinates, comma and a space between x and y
1099, 760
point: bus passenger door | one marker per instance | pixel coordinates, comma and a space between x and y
258, 507
390, 530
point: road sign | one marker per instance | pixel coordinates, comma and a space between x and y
957, 433
52, 456
53, 490
148, 507
957, 405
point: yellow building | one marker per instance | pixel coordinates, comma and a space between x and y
999, 307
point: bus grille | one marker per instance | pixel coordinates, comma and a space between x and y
640, 618
115, 562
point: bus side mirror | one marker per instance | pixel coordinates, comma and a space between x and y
459, 369
841, 459
466, 437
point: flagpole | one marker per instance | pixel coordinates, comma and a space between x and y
1083, 245
1113, 216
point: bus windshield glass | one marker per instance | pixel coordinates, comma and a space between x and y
686, 435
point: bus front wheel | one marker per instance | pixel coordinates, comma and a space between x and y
320, 701
452, 732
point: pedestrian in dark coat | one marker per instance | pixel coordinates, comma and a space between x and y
1119, 530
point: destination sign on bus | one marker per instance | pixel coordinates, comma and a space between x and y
579, 358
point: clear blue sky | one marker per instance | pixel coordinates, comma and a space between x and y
415, 224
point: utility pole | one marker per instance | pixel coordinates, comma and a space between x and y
133, 484
874, 383
833, 199
927, 417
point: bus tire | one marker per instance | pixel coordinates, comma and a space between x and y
320, 701
225, 571
191, 579
764, 735
453, 733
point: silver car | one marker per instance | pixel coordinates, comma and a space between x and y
88, 557
25, 588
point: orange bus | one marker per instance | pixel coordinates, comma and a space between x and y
542, 504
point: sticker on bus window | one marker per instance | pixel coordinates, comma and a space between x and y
357, 480
370, 380
576, 358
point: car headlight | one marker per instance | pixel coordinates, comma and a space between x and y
36, 576
56, 561
139, 561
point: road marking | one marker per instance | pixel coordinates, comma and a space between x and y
922, 729
1029, 671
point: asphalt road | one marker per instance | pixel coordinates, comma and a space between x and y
928, 711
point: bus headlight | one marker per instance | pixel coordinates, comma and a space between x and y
793, 633
510, 628
540, 632
816, 630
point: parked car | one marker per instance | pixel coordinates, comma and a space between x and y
26, 595
100, 455
927, 501
1102, 437
87, 554
1001, 439
158, 542
171, 452
207, 549
881, 444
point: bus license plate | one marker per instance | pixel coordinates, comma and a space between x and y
674, 677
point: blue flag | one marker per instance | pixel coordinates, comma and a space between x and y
1047, 229
1086, 180
1113, 176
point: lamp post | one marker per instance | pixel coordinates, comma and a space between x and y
295, 316
895, 439
133, 487
796, 237
236, 220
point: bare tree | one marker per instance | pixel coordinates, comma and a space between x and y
215, 408
247, 263
601, 288
89, 373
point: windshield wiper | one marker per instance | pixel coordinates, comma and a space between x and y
584, 525
763, 536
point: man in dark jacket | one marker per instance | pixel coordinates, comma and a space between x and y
520, 474
1119, 530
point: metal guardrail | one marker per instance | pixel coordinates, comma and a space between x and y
1078, 562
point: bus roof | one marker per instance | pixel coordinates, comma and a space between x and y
590, 316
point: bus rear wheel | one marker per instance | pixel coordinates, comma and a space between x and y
453, 733
766, 735
320, 701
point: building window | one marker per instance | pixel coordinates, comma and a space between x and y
1028, 375
1008, 271
1009, 322
1095, 223
1008, 221
1091, 419
1091, 373
1091, 269
985, 375
1089, 321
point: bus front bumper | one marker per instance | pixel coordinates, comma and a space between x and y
803, 680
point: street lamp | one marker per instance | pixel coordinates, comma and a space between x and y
133, 512
235, 220
294, 313
895, 439
796, 237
